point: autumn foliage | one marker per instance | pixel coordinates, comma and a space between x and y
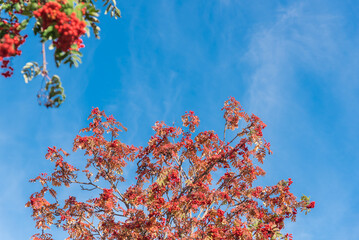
186, 186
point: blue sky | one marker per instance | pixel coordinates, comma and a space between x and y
294, 64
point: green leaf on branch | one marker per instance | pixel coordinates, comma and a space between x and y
305, 198
17, 7
72, 57
112, 8
91, 16
48, 33
24, 23
78, 10
33, 6
30, 70
56, 95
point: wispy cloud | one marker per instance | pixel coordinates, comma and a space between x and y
301, 65
299, 39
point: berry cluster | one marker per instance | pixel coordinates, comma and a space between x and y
8, 70
70, 33
69, 28
10, 41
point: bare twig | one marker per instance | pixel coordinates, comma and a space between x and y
44, 63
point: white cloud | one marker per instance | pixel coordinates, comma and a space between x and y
304, 67
299, 38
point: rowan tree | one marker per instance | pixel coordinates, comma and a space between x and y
187, 185
60, 22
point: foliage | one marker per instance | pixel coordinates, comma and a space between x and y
31, 70
61, 22
186, 186
55, 92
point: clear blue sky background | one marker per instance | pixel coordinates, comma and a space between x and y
295, 65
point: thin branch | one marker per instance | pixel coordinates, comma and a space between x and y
95, 228
182, 172
44, 63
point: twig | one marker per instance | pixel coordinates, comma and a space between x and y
44, 63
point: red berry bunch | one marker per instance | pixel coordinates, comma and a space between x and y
10, 41
70, 33
69, 28
8, 70
50, 14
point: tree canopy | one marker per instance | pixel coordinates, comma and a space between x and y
186, 185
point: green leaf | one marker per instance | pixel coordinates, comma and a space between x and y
68, 11
30, 70
56, 93
17, 6
72, 57
111, 8
48, 32
24, 23
51, 47
305, 198
34, 6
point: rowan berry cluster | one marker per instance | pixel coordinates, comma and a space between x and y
69, 28
9, 44
70, 33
